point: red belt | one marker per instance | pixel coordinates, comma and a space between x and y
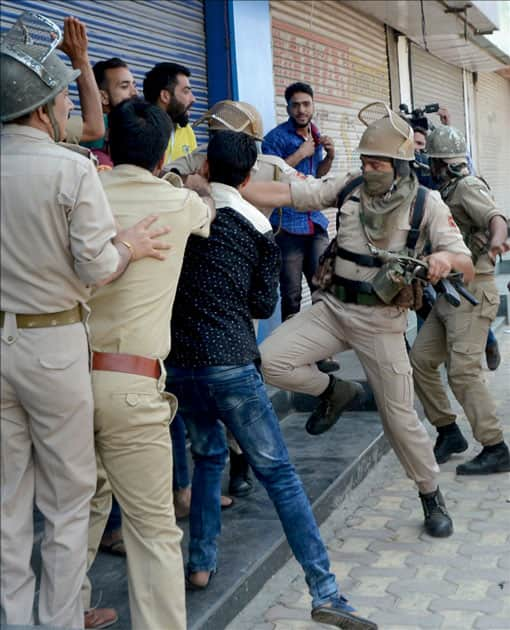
129, 363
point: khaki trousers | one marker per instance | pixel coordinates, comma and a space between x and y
134, 454
376, 333
47, 453
458, 336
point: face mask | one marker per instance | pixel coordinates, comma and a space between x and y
377, 183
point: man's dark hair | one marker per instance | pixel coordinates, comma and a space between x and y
231, 156
101, 67
139, 133
421, 130
162, 77
297, 87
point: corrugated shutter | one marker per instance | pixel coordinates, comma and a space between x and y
435, 81
493, 124
342, 54
142, 33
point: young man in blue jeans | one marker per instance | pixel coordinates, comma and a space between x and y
226, 281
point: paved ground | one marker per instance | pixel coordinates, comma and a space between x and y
394, 573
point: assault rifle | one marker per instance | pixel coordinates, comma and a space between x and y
406, 269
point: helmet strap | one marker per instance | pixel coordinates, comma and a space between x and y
48, 108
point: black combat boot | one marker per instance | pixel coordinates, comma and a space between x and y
437, 520
493, 356
240, 483
334, 400
449, 440
492, 459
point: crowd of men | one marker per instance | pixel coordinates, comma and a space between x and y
134, 266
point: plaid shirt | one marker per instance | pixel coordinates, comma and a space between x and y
283, 141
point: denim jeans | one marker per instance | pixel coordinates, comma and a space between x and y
115, 519
236, 397
180, 469
300, 255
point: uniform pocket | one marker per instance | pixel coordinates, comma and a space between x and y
60, 361
402, 371
490, 305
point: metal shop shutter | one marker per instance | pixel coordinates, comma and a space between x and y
492, 94
141, 32
342, 54
434, 81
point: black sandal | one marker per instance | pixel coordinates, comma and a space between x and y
191, 586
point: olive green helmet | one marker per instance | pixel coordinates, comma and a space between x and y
386, 134
31, 73
446, 143
234, 115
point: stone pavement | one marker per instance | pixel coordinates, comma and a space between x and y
394, 573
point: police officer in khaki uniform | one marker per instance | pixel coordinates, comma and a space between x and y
349, 314
457, 336
56, 239
130, 337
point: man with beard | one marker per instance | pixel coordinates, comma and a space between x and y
302, 237
458, 335
116, 84
167, 85
378, 211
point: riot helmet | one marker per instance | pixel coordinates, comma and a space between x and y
235, 116
386, 135
446, 143
31, 73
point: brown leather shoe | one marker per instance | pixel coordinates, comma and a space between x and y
98, 618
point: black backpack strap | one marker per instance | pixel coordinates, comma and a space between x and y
344, 194
416, 219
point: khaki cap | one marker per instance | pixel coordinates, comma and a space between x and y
235, 116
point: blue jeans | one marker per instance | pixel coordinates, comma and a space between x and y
115, 519
180, 469
237, 397
300, 255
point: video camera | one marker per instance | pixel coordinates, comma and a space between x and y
417, 117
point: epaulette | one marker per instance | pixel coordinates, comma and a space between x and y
83, 151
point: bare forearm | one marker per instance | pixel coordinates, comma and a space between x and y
295, 158
90, 99
498, 230
325, 166
462, 263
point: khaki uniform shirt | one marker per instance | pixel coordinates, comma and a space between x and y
132, 315
437, 226
472, 207
57, 224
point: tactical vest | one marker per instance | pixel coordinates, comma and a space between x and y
354, 291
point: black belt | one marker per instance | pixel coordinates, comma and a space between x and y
354, 291
364, 260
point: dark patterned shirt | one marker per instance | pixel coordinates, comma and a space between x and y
226, 281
